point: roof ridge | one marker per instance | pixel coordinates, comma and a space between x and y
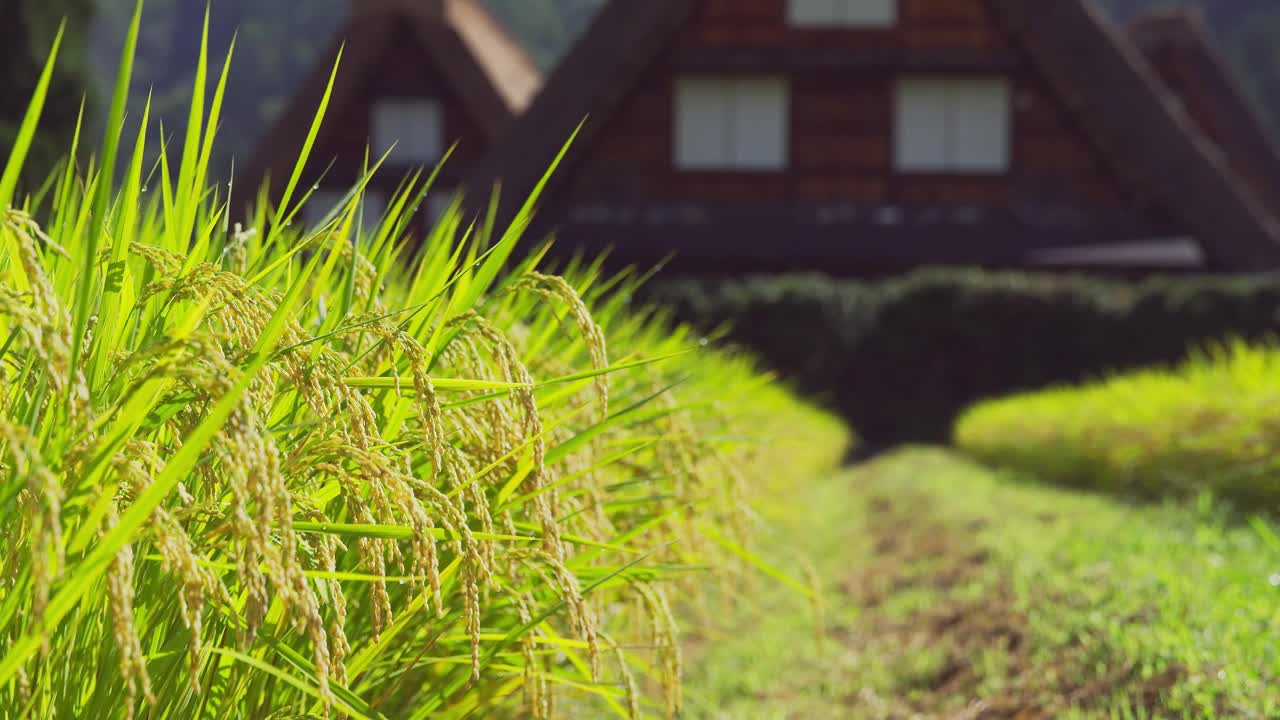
1153, 145
483, 64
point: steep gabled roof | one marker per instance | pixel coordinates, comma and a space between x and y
1154, 147
591, 80
487, 68
1180, 48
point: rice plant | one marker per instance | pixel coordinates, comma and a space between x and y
255, 470
1207, 427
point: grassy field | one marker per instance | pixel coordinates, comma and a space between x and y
952, 591
1209, 426
265, 471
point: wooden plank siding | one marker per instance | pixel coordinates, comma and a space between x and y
1079, 172
406, 71
452, 52
841, 127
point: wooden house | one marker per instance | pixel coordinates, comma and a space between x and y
850, 135
415, 78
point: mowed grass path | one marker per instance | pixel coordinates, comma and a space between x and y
952, 591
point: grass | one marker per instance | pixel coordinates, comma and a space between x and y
950, 590
1206, 427
256, 470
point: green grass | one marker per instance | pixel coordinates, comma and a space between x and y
1207, 427
268, 471
930, 564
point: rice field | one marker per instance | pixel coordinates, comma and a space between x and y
251, 469
1206, 428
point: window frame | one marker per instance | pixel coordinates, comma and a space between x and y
803, 15
325, 198
952, 162
690, 153
419, 149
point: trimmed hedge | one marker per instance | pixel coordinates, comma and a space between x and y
902, 357
1152, 433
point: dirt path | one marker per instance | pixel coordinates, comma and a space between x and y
945, 625
949, 592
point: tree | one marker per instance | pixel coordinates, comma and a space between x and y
26, 36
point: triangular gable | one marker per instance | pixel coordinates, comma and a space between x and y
1153, 146
1179, 47
488, 70
1156, 152
591, 80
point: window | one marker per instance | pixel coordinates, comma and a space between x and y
842, 13
413, 129
952, 125
325, 200
731, 123
438, 202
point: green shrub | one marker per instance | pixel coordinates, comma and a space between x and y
264, 472
901, 357
1209, 425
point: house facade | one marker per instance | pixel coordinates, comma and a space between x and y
845, 135
416, 78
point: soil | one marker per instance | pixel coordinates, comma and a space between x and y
965, 651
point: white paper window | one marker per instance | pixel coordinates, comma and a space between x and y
411, 128
952, 125
324, 200
372, 209
842, 13
979, 114
731, 123
320, 204
438, 202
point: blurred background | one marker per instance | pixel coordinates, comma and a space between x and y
1057, 252
279, 42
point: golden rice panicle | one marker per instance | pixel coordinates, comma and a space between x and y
176, 550
582, 619
124, 629
665, 637
628, 678
428, 404
556, 288
236, 252
48, 324
514, 371
537, 688
42, 500
326, 549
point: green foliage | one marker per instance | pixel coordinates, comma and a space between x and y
268, 471
1082, 606
1207, 426
909, 353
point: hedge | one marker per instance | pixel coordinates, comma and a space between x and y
901, 357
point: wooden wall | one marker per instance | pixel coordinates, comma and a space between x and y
409, 72
841, 145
